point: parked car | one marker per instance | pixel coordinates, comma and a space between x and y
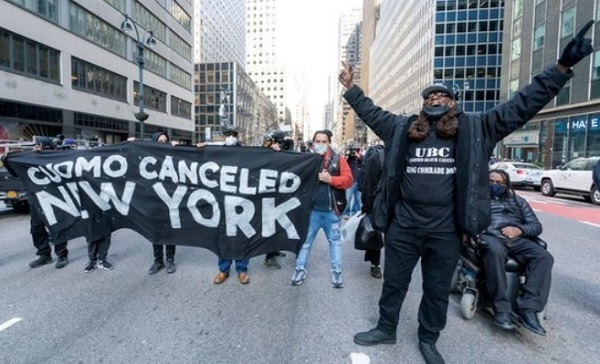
12, 192
573, 178
521, 174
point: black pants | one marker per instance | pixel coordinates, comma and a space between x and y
98, 249
373, 256
41, 240
439, 253
538, 272
158, 252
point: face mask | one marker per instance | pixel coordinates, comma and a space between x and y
320, 149
230, 140
435, 112
497, 190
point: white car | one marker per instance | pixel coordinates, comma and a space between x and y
521, 174
573, 178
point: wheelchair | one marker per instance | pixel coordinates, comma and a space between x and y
469, 280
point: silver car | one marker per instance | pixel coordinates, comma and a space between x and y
521, 174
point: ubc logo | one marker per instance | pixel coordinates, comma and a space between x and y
433, 152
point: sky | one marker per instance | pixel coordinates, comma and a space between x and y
309, 38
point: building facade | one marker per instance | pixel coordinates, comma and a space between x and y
228, 98
219, 31
262, 59
569, 126
68, 68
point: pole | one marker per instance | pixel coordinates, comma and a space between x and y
140, 61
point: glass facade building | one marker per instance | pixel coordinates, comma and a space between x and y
468, 50
569, 126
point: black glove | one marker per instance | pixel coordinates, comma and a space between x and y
578, 48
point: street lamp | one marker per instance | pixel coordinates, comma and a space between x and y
127, 26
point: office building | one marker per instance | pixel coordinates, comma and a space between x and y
67, 67
569, 126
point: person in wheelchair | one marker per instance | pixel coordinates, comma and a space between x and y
513, 232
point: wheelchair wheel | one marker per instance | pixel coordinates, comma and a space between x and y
454, 282
468, 305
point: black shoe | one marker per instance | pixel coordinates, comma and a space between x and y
374, 337
90, 266
529, 319
502, 320
42, 260
430, 353
156, 267
171, 267
61, 262
376, 271
104, 265
272, 263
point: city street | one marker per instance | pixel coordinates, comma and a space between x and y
127, 316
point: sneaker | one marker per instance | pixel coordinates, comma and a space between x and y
299, 277
42, 260
104, 265
272, 263
90, 267
171, 267
156, 267
336, 280
61, 262
376, 271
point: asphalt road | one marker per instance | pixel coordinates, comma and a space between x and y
126, 316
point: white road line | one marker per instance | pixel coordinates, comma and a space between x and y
590, 223
537, 210
359, 358
9, 323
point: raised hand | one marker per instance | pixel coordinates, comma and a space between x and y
346, 76
578, 48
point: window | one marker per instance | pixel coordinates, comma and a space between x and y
96, 30
181, 108
153, 98
148, 21
517, 9
538, 37
568, 23
516, 49
97, 80
596, 75
45, 8
25, 56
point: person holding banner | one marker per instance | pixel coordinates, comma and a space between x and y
159, 263
330, 201
436, 186
241, 266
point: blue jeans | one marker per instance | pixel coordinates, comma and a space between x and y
241, 266
352, 200
330, 222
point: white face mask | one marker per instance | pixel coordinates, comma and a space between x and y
320, 149
230, 140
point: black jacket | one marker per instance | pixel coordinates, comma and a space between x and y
478, 133
372, 173
596, 175
513, 210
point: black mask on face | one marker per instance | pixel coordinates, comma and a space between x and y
435, 112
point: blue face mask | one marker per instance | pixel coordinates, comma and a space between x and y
497, 190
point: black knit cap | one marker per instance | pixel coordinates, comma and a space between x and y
437, 87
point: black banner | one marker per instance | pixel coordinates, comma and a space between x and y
237, 202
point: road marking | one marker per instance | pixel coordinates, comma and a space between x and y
359, 358
590, 223
9, 323
537, 210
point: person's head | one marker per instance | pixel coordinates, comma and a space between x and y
231, 136
321, 141
439, 107
500, 183
161, 137
438, 95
